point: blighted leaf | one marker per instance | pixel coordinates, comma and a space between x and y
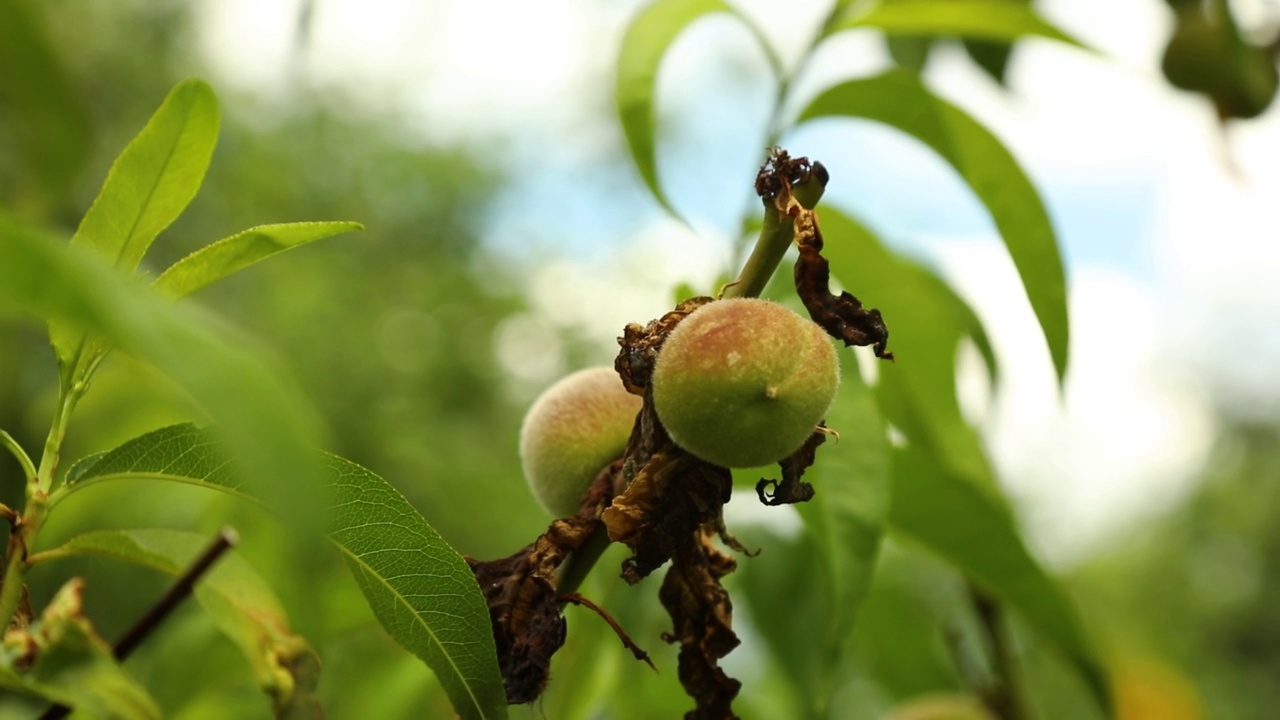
842, 316
232, 254
702, 619
962, 524
899, 99
420, 589
803, 183
645, 43
524, 605
1002, 20
238, 601
62, 659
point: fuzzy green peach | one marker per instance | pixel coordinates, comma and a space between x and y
572, 431
744, 382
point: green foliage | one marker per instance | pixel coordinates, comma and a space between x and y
646, 42
978, 19
238, 600
229, 255
965, 526
62, 659
899, 99
419, 588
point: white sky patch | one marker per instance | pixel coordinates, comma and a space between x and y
1132, 429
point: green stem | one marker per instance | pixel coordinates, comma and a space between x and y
776, 235
20, 539
579, 564
1004, 697
28, 467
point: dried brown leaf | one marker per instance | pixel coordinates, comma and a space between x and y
702, 619
793, 489
842, 316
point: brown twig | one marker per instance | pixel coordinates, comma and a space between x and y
636, 650
181, 589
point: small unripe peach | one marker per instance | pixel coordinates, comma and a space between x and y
942, 706
571, 432
744, 382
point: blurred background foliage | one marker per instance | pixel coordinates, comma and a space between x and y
392, 335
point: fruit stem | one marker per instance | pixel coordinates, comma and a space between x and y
776, 235
579, 564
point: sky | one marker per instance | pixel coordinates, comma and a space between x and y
1167, 227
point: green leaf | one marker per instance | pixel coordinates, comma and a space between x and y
1002, 20
899, 99
992, 57
182, 451
237, 599
966, 527
419, 588
645, 43
267, 426
154, 178
149, 185
847, 514
62, 659
232, 254
926, 320
909, 51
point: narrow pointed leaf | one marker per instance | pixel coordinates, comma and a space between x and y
926, 320
232, 254
149, 185
238, 600
62, 659
899, 99
420, 589
268, 427
848, 512
963, 525
645, 43
154, 178
1001, 20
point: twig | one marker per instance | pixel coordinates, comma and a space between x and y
636, 650
181, 589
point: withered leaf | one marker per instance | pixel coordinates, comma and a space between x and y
640, 344
792, 489
523, 608
842, 316
670, 495
781, 173
702, 617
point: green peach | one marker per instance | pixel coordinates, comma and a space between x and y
743, 382
571, 432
